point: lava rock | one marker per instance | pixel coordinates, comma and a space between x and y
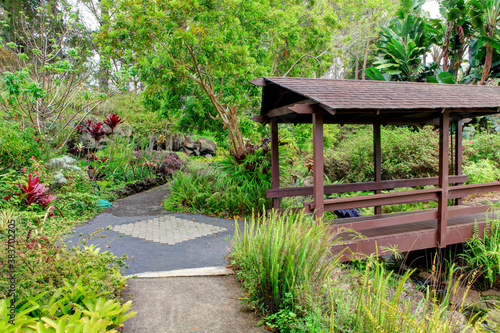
206, 146
188, 143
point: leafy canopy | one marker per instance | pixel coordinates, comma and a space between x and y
222, 43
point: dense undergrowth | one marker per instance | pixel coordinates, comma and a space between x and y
291, 279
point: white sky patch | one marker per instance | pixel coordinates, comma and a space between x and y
432, 7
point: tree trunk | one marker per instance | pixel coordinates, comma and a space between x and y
356, 70
487, 64
365, 60
446, 44
103, 68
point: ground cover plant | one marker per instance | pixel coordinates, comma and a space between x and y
46, 194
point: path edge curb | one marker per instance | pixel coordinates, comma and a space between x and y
201, 271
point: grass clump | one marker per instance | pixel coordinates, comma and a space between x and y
283, 262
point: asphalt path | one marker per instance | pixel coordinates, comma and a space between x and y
148, 256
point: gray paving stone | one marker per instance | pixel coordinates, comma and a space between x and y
167, 229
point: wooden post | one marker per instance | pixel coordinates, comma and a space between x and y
444, 142
377, 159
318, 165
458, 153
275, 160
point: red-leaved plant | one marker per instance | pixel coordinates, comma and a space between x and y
96, 130
113, 120
34, 192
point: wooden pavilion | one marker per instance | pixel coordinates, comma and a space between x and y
324, 101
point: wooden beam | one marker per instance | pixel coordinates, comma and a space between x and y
259, 82
393, 198
318, 165
261, 119
286, 109
444, 136
465, 190
275, 160
305, 108
377, 159
328, 109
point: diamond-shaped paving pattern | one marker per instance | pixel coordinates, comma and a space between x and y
167, 229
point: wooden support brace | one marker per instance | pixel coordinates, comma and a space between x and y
458, 153
318, 165
275, 160
377, 159
444, 137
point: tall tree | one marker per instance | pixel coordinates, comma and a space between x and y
207, 50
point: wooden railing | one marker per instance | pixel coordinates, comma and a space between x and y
431, 194
354, 187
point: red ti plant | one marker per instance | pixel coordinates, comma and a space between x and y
96, 130
113, 120
34, 192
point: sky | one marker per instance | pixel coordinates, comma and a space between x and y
432, 7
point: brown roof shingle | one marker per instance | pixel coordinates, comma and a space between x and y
358, 94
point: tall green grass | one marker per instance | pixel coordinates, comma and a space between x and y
381, 306
283, 260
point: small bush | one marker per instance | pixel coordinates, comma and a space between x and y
44, 263
231, 187
405, 154
482, 146
143, 121
484, 253
483, 171
72, 308
17, 145
210, 192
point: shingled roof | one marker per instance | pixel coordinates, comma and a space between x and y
357, 101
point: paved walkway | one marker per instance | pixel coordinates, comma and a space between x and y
179, 260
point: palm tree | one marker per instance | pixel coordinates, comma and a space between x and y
485, 15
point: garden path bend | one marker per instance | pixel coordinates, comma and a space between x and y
180, 260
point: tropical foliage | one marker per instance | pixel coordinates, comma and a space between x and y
462, 47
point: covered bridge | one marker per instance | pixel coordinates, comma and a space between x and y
324, 101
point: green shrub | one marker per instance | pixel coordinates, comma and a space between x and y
17, 145
283, 263
300, 135
482, 146
43, 263
483, 171
130, 106
405, 154
228, 187
210, 192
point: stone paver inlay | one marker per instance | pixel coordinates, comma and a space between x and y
167, 229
